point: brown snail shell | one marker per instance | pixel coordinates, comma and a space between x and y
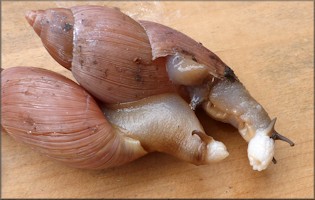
114, 57
58, 118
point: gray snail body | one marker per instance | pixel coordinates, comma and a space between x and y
120, 60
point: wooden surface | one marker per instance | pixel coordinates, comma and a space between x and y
270, 47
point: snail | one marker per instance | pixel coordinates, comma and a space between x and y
120, 60
59, 119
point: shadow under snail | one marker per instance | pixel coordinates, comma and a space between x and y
140, 83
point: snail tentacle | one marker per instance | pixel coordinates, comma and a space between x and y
277, 136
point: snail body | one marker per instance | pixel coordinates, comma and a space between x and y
59, 119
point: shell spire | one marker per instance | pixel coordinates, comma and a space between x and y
55, 28
31, 16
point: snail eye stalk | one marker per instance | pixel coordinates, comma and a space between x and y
277, 136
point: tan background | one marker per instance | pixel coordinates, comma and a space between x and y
270, 47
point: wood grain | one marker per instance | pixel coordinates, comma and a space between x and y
269, 45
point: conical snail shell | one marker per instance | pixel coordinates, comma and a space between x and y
58, 118
114, 57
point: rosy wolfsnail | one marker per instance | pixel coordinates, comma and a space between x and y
60, 119
118, 59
